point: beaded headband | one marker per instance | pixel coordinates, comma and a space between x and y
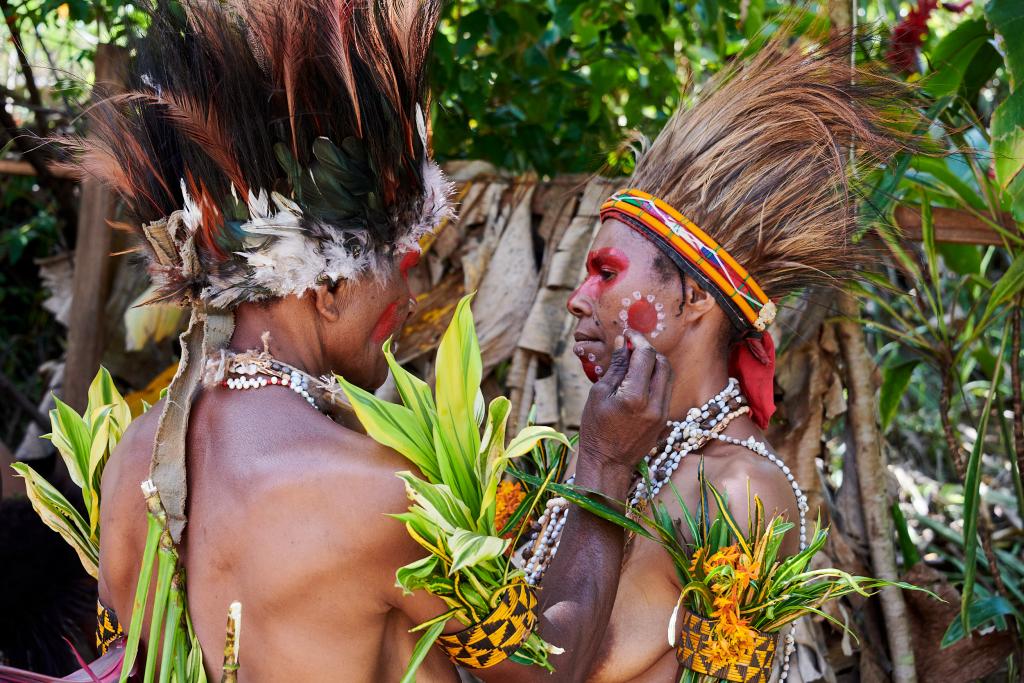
697, 252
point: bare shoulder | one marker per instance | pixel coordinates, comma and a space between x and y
342, 486
739, 474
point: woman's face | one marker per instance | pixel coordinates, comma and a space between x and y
375, 308
627, 284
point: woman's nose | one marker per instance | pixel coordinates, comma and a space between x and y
579, 305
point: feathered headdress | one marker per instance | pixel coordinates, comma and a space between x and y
266, 147
752, 191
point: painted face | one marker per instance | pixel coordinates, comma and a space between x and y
375, 309
623, 289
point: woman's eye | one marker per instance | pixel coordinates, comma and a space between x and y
607, 274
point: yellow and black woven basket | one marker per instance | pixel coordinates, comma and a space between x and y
754, 666
499, 635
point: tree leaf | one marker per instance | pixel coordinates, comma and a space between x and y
895, 380
491, 453
73, 440
470, 548
1008, 148
414, 392
57, 513
443, 507
1007, 17
980, 613
457, 373
972, 494
394, 426
954, 53
1006, 287
416, 575
419, 653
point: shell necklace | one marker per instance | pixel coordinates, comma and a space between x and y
701, 425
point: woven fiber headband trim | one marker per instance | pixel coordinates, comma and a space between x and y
495, 638
698, 249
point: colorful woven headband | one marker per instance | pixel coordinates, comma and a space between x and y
697, 252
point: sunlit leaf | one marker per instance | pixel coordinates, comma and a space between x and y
470, 549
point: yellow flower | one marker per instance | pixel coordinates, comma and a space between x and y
733, 637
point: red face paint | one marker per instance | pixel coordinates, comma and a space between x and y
408, 262
387, 324
603, 266
642, 316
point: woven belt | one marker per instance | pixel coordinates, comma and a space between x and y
491, 641
752, 666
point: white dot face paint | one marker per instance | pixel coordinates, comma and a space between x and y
643, 313
591, 357
578, 351
598, 370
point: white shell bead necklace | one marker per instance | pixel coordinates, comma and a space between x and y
700, 426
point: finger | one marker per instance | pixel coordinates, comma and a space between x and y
637, 381
617, 368
661, 382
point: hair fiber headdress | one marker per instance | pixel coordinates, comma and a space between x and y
762, 162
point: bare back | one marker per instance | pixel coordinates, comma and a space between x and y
286, 514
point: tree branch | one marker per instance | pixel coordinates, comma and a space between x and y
23, 402
872, 472
36, 155
26, 69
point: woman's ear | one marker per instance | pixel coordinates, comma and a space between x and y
697, 302
327, 302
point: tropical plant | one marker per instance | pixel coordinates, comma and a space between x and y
949, 315
85, 443
554, 87
454, 502
735, 578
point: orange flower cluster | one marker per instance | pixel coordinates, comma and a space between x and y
734, 636
510, 494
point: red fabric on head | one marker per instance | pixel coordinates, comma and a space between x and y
752, 362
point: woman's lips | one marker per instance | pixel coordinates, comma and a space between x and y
590, 352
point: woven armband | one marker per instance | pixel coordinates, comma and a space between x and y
108, 629
697, 651
494, 639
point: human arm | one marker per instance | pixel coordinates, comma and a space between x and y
623, 416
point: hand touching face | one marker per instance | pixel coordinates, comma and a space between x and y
627, 286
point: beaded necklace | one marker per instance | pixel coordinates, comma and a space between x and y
701, 425
257, 369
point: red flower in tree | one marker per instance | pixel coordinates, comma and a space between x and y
908, 36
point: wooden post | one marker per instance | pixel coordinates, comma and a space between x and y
871, 466
91, 280
872, 474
